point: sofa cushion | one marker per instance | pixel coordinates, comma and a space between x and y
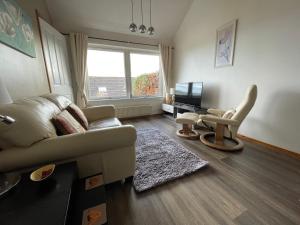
32, 124
60, 101
65, 124
109, 122
77, 113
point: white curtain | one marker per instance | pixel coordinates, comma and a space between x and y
166, 65
79, 46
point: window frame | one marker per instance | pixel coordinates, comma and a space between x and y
127, 64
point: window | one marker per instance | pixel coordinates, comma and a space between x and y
145, 79
122, 73
106, 74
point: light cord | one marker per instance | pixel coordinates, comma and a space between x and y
132, 11
150, 14
142, 11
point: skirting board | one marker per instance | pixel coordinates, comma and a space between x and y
269, 146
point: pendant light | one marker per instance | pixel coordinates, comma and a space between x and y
150, 29
132, 26
142, 27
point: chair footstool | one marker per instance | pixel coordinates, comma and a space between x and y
188, 120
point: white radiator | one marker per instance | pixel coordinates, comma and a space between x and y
133, 111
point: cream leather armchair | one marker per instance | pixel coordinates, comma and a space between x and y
107, 147
225, 124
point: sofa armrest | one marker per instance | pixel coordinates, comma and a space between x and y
216, 112
215, 119
99, 112
68, 147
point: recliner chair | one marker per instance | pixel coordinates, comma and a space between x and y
225, 124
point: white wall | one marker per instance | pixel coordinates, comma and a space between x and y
116, 36
267, 54
23, 75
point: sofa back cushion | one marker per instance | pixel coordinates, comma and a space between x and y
33, 122
65, 124
60, 101
77, 113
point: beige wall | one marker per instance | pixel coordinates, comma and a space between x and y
118, 36
267, 54
23, 75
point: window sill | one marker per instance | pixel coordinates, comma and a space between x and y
125, 99
94, 102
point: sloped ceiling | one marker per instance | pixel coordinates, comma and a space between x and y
115, 15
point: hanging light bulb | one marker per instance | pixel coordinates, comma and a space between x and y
132, 26
142, 27
150, 29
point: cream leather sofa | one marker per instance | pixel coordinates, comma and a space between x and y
107, 146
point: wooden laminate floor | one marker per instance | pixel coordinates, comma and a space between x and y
255, 186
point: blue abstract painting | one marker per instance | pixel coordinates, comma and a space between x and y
16, 28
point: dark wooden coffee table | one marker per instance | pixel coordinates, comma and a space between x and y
59, 200
39, 203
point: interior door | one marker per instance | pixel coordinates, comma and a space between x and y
57, 60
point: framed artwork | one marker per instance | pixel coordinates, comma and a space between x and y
16, 28
225, 44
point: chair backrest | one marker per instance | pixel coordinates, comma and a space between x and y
244, 108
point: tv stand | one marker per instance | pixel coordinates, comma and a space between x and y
181, 108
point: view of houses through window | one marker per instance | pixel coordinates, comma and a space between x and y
107, 77
106, 74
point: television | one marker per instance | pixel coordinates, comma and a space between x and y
189, 93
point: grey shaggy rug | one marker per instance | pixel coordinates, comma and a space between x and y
160, 159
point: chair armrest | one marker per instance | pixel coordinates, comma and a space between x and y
68, 147
215, 119
99, 112
216, 112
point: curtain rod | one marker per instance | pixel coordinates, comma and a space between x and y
128, 42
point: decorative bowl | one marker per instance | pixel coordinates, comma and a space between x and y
42, 173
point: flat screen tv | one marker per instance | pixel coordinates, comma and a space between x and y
189, 93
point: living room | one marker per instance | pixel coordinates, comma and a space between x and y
149, 112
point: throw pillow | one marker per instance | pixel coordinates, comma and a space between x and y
77, 113
228, 114
66, 124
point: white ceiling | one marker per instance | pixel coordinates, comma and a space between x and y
115, 15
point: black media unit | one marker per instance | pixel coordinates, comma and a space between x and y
182, 108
